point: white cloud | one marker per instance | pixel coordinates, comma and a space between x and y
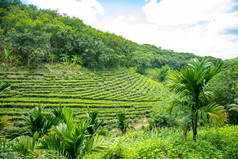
87, 10
194, 26
175, 12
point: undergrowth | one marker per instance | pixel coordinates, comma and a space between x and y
213, 143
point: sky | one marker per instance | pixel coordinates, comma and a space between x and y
202, 27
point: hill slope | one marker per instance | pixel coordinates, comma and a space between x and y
105, 91
29, 36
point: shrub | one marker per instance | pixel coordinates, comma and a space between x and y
36, 57
213, 143
37, 121
122, 122
160, 119
94, 123
25, 145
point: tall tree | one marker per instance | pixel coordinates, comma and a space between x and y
189, 84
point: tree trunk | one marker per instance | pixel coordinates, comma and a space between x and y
194, 126
185, 131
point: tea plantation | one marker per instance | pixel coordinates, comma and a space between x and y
108, 92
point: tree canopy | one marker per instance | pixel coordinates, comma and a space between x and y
33, 36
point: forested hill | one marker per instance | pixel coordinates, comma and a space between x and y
29, 36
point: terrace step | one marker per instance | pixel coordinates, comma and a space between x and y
108, 92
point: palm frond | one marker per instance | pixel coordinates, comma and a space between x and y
213, 113
98, 144
191, 80
25, 145
37, 121
71, 139
233, 107
53, 142
3, 86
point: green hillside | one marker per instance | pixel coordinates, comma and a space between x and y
107, 92
70, 91
30, 36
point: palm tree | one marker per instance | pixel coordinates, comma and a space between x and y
71, 139
189, 84
95, 124
37, 121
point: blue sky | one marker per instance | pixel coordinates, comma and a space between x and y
202, 27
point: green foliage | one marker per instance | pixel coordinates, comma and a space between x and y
7, 3
36, 35
225, 93
57, 115
37, 121
94, 123
158, 74
122, 121
107, 92
4, 122
71, 139
36, 57
189, 84
6, 149
67, 138
216, 143
159, 119
234, 106
3, 85
163, 73
25, 145
77, 60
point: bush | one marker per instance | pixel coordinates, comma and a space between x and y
213, 143
36, 57
94, 123
122, 122
160, 119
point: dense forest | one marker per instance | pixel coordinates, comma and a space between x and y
70, 91
30, 36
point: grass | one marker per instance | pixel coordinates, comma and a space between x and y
212, 143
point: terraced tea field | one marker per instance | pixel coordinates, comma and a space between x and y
107, 92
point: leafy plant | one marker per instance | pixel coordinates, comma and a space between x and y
36, 57
65, 58
94, 123
51, 58
71, 139
234, 106
4, 122
122, 122
25, 145
37, 121
190, 84
77, 60
160, 119
3, 86
57, 115
225, 93
6, 149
